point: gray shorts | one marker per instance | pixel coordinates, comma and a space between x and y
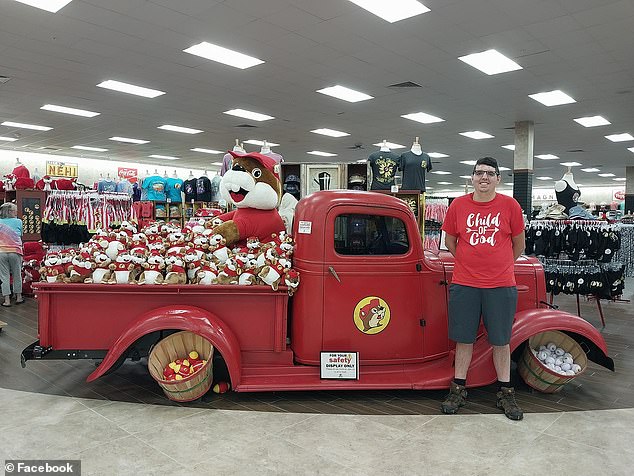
496, 306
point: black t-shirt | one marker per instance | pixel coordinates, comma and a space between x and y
384, 166
203, 189
414, 168
568, 197
189, 187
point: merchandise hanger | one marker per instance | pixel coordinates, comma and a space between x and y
156, 172
175, 175
100, 176
416, 149
108, 176
17, 161
384, 147
191, 175
238, 147
205, 173
165, 174
265, 148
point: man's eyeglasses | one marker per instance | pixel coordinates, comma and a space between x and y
489, 173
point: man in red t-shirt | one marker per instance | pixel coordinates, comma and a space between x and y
485, 232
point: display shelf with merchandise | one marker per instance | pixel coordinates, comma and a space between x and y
190, 208
415, 200
30, 207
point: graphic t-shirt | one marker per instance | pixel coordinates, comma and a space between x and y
203, 189
384, 166
227, 162
107, 185
414, 168
484, 251
124, 186
155, 188
173, 188
215, 188
189, 187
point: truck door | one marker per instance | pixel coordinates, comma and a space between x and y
372, 289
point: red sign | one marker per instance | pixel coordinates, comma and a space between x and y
619, 195
131, 174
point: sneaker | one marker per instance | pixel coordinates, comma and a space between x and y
457, 398
506, 401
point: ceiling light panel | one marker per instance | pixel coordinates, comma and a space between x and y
441, 172
21, 125
52, 6
207, 151
69, 110
468, 162
260, 142
620, 179
620, 137
476, 135
503, 169
130, 89
445, 183
184, 130
322, 154
330, 132
544, 178
570, 164
437, 155
223, 55
423, 118
128, 140
552, 98
592, 169
346, 94
254, 116
631, 149
8, 139
92, 149
509, 146
490, 62
606, 175
390, 145
592, 121
547, 156
164, 157
392, 11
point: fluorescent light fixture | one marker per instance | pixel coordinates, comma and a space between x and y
547, 156
207, 151
184, 130
592, 169
552, 98
509, 147
260, 142
69, 110
544, 178
223, 55
437, 155
468, 162
422, 117
393, 11
8, 139
620, 179
26, 126
128, 140
130, 89
255, 116
620, 137
476, 135
592, 121
503, 169
217, 163
570, 164
363, 161
347, 94
445, 183
465, 176
606, 175
390, 145
631, 149
323, 154
166, 157
52, 6
490, 62
92, 149
330, 132
510, 184
441, 172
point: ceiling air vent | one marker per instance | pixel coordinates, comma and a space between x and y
575, 150
4, 79
406, 84
246, 125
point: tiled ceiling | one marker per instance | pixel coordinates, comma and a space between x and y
583, 47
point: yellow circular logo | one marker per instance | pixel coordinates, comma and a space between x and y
371, 315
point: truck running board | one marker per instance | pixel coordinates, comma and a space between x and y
36, 352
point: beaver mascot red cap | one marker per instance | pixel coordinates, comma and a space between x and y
253, 186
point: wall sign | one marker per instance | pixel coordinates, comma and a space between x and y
127, 173
61, 169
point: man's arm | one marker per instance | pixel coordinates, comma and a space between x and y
519, 243
451, 241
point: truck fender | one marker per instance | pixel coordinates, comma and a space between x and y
186, 318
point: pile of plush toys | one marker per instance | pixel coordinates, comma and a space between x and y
180, 368
557, 359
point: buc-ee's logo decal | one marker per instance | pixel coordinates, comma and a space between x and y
371, 315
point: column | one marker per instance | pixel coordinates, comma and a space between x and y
629, 189
523, 165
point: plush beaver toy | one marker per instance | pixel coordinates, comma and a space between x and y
253, 187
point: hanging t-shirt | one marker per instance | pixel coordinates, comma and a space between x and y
484, 252
203, 189
414, 168
136, 192
189, 187
384, 166
107, 185
215, 188
124, 186
173, 189
227, 163
155, 188
275, 156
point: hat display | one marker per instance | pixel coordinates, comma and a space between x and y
356, 182
291, 184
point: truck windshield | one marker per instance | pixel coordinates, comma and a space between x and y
370, 235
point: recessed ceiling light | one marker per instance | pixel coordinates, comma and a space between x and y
510, 184
52, 6
592, 121
503, 168
216, 163
620, 179
422, 117
468, 162
509, 147
93, 149
130, 141
255, 116
130, 89
26, 126
323, 154
465, 176
260, 142
69, 110
8, 139
606, 175
166, 157
184, 130
437, 155
347, 94
394, 10
547, 157
593, 169
490, 62
390, 145
570, 164
476, 135
552, 98
207, 151
223, 55
441, 172
544, 178
445, 183
330, 132
620, 137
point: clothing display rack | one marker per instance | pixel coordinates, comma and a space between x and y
435, 213
625, 254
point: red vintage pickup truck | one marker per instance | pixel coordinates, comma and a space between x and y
367, 288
